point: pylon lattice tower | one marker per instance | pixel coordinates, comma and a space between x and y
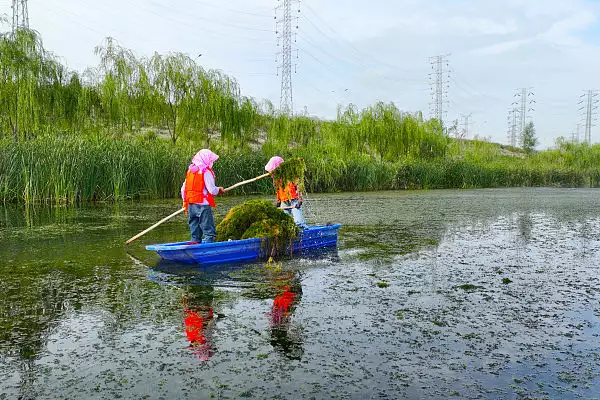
439, 79
512, 126
286, 28
466, 123
524, 106
20, 17
591, 105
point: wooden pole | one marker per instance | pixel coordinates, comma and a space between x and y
245, 182
155, 225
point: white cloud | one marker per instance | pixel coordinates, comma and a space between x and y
503, 47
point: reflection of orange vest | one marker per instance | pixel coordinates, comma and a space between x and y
194, 189
284, 301
289, 193
195, 326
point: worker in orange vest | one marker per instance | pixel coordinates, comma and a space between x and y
198, 193
288, 195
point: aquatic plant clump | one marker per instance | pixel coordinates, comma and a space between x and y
258, 219
291, 170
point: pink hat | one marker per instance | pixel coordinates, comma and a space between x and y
203, 160
273, 163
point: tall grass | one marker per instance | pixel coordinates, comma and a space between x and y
69, 169
63, 170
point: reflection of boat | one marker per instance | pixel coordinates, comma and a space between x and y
312, 238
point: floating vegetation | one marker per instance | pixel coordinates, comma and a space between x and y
382, 284
273, 266
506, 281
258, 219
291, 170
467, 287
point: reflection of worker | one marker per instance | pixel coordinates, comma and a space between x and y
288, 195
282, 306
198, 322
284, 336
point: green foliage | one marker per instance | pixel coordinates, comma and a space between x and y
529, 139
291, 170
258, 219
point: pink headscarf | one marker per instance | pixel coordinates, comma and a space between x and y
273, 163
203, 160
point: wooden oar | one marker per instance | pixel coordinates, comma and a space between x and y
248, 181
155, 225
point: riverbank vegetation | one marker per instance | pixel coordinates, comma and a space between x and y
128, 127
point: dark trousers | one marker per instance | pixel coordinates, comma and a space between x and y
202, 223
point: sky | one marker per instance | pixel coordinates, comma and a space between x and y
362, 52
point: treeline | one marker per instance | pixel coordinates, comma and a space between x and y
128, 128
122, 95
173, 95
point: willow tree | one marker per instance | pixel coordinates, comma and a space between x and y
172, 78
352, 139
379, 125
24, 68
118, 67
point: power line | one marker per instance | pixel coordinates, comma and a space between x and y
351, 57
219, 23
232, 10
359, 55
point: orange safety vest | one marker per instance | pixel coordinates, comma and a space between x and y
194, 189
289, 193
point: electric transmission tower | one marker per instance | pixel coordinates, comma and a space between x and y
575, 138
438, 79
525, 106
512, 126
465, 129
20, 17
591, 104
286, 26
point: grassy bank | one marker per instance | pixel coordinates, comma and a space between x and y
69, 169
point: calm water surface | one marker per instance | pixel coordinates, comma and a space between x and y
469, 294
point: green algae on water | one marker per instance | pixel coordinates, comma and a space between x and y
468, 287
291, 170
258, 219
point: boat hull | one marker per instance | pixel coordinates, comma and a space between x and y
312, 238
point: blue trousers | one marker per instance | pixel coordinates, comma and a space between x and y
202, 223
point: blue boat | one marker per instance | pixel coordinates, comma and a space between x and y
312, 238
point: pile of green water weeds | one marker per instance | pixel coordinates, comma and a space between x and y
258, 219
291, 170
